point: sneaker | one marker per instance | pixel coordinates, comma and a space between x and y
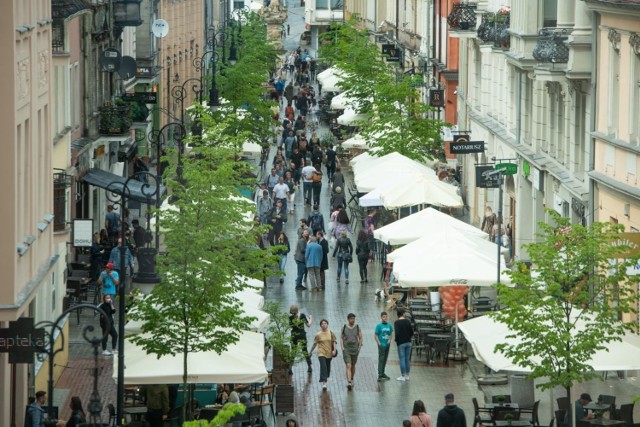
114, 351
401, 378
309, 370
346, 282
301, 288
338, 280
107, 353
380, 378
281, 281
324, 386
406, 377
385, 377
349, 385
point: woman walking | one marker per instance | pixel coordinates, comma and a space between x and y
344, 250
419, 416
362, 252
282, 253
326, 341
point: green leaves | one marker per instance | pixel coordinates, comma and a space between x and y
398, 119
570, 307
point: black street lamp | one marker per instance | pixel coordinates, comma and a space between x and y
95, 404
122, 189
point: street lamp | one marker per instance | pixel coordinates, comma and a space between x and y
122, 189
95, 404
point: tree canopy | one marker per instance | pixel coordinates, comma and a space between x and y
398, 120
571, 306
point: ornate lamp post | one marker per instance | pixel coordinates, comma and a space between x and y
95, 404
122, 189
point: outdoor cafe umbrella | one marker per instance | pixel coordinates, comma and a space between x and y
350, 116
329, 73
484, 333
378, 171
356, 141
242, 362
447, 258
420, 224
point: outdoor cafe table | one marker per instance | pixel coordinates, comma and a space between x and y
440, 336
137, 412
599, 407
501, 405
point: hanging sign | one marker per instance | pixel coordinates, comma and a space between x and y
485, 178
436, 98
21, 340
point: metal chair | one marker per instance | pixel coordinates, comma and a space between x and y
560, 415
563, 404
265, 396
441, 347
533, 411
626, 414
113, 418
480, 415
607, 399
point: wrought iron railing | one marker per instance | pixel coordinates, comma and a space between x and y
462, 16
115, 118
494, 28
551, 46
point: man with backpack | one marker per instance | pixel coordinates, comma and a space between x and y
351, 338
316, 220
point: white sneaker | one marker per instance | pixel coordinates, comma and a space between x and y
324, 386
107, 353
401, 378
406, 377
114, 351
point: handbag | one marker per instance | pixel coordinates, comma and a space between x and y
348, 258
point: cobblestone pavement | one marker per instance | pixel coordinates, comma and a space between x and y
370, 403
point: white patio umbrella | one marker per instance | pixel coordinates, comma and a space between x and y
342, 101
356, 141
484, 333
242, 363
420, 224
350, 116
331, 83
329, 73
447, 258
418, 189
378, 171
251, 149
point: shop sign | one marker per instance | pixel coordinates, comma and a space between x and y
82, 233
466, 147
485, 178
436, 98
21, 340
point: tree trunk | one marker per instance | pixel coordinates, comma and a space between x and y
572, 418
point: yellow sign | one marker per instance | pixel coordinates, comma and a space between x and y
632, 240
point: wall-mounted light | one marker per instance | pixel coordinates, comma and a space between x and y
29, 239
42, 226
48, 217
22, 249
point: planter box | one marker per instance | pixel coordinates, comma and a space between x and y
285, 399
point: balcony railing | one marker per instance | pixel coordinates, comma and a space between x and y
494, 28
551, 46
462, 16
115, 118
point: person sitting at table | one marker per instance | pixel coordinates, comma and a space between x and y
227, 395
579, 409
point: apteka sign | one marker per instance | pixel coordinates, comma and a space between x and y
21, 340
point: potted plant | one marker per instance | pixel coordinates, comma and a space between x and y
509, 418
285, 352
500, 399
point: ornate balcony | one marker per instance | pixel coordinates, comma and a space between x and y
115, 118
494, 28
462, 17
551, 46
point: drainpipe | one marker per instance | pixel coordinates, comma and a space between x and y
592, 111
519, 108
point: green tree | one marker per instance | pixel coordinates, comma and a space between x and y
209, 243
571, 308
398, 121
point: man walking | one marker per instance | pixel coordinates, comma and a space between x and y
404, 333
157, 404
115, 257
307, 181
351, 339
264, 207
451, 415
325, 257
313, 260
281, 193
109, 280
299, 256
298, 322
382, 335
112, 223
35, 412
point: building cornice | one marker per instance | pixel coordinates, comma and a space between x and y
624, 145
614, 184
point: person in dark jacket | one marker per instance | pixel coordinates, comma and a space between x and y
404, 333
344, 250
362, 252
451, 415
325, 257
78, 416
282, 252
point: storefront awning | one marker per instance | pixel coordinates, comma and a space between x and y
136, 190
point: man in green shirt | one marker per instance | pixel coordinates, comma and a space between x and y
383, 334
157, 404
351, 338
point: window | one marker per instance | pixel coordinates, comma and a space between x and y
238, 4
614, 91
61, 195
634, 101
580, 119
329, 4
550, 13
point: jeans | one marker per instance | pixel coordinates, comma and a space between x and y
404, 354
314, 277
341, 262
282, 264
325, 368
362, 263
306, 188
301, 270
317, 188
383, 355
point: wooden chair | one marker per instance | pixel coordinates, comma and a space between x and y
264, 397
533, 412
481, 415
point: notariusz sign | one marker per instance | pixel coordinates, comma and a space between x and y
466, 147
